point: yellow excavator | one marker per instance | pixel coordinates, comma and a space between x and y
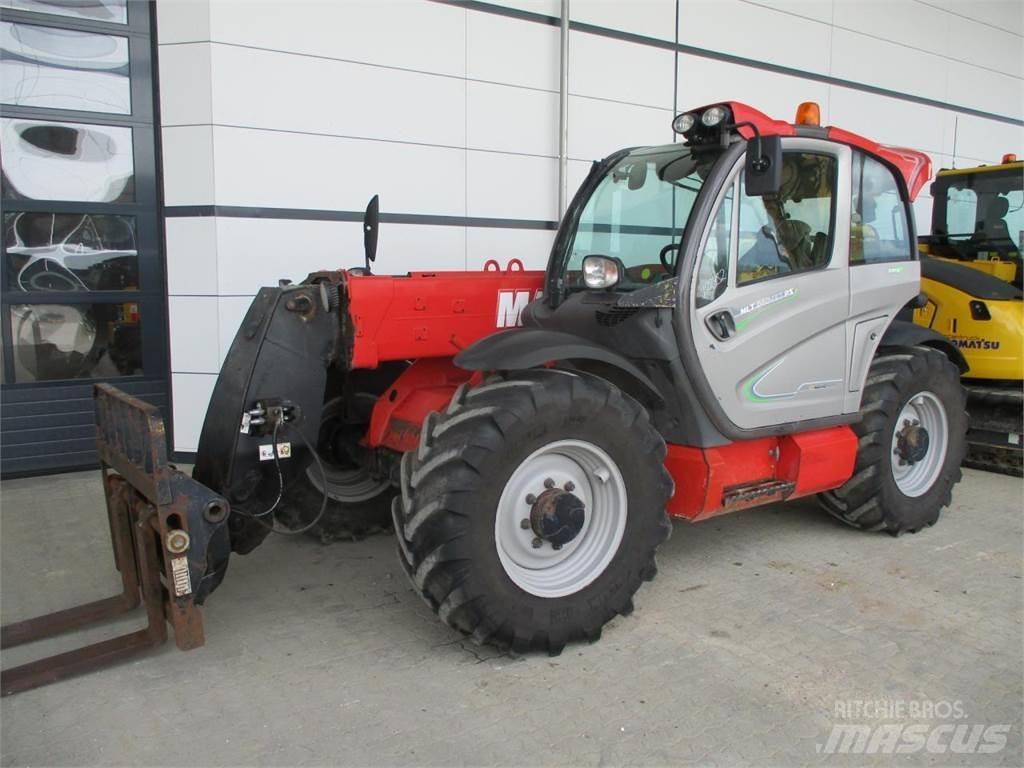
971, 274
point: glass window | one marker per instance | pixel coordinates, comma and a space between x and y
713, 270
878, 215
70, 252
113, 11
63, 69
984, 213
75, 341
66, 161
790, 231
637, 214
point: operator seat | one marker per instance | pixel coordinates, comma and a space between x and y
993, 226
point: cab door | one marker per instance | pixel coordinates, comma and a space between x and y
770, 292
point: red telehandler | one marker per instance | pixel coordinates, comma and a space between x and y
715, 330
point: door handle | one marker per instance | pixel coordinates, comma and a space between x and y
721, 324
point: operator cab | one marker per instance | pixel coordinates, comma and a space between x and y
749, 269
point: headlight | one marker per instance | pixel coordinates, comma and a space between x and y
600, 272
713, 116
683, 123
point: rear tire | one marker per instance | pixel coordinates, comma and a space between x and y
464, 532
902, 479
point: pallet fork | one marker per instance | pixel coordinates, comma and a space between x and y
163, 527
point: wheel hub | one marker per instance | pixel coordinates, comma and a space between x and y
557, 516
912, 442
920, 442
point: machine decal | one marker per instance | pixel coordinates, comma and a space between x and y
975, 342
750, 312
511, 305
752, 393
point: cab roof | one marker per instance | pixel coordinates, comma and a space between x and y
913, 165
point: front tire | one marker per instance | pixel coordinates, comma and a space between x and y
530, 514
912, 439
358, 504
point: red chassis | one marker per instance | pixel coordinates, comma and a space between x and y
428, 317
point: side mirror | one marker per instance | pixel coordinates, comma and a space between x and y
762, 174
371, 223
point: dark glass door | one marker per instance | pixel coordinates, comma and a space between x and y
82, 277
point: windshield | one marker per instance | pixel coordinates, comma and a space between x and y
980, 212
638, 213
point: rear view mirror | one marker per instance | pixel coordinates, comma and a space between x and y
637, 175
762, 174
371, 222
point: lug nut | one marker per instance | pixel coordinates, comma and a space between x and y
525, 523
531, 499
556, 546
549, 483
570, 486
537, 543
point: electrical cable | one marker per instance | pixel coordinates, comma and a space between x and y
257, 518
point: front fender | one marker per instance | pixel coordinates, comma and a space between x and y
521, 348
901, 333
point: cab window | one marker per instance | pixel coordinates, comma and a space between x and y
879, 229
713, 270
790, 231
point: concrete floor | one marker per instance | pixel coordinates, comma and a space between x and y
758, 627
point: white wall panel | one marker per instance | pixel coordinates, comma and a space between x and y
863, 59
891, 121
193, 324
905, 22
185, 84
756, 32
985, 90
269, 168
605, 68
417, 248
987, 140
188, 165
818, 10
191, 256
1001, 14
511, 186
191, 393
651, 18
530, 246
509, 119
1001, 50
705, 81
597, 128
265, 89
411, 34
545, 7
512, 51
182, 22
230, 314
253, 253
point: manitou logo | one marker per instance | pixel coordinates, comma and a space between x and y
511, 305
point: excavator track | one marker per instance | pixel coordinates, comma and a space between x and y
997, 425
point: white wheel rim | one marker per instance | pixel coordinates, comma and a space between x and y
596, 480
926, 410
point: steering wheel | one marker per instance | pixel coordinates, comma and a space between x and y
663, 256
